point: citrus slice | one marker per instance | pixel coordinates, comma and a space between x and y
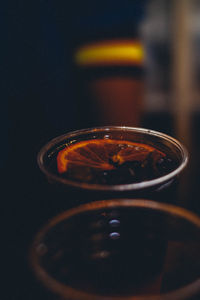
103, 154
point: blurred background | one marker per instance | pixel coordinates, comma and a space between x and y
67, 66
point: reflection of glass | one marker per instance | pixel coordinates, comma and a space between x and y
161, 188
117, 249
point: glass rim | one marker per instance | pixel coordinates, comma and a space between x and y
63, 290
117, 187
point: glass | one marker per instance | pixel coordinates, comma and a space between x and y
64, 193
119, 249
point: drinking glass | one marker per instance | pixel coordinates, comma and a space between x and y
63, 193
119, 249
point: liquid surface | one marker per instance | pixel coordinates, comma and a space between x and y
107, 161
122, 252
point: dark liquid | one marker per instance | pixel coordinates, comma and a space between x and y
124, 252
59, 196
153, 164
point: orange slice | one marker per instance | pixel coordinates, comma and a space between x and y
103, 154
